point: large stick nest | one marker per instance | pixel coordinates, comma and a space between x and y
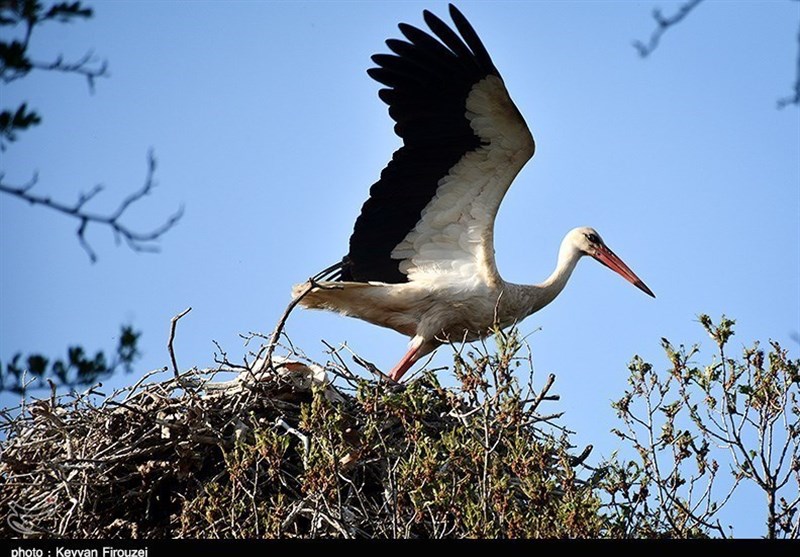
281, 452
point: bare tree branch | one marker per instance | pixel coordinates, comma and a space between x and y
794, 98
310, 285
170, 347
664, 23
88, 66
83, 67
137, 241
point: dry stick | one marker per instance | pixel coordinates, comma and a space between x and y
578, 460
372, 368
173, 326
276, 334
289, 520
133, 390
53, 399
543, 393
334, 352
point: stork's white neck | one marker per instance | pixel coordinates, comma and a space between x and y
532, 298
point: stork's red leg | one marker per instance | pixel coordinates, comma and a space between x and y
404, 364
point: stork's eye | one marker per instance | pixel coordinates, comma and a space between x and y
593, 238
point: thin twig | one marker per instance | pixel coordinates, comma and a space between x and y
664, 23
537, 400
170, 347
581, 458
79, 67
372, 368
310, 285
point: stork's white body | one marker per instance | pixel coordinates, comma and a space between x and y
421, 257
444, 307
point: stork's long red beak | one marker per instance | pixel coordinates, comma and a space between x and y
610, 260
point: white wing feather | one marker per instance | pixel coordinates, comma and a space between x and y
455, 234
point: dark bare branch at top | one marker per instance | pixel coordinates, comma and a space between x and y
664, 23
795, 97
137, 241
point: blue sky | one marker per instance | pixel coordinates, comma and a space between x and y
269, 131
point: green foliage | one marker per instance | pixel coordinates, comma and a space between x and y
78, 369
13, 60
12, 122
692, 424
32, 12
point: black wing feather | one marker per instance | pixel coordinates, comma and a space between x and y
428, 81
451, 40
473, 40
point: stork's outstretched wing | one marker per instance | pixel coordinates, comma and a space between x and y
464, 141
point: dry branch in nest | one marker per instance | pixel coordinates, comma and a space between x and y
280, 451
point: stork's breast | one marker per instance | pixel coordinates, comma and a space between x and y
460, 315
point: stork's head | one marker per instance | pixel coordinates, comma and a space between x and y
588, 241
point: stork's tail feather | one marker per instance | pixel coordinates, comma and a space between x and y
328, 275
332, 273
325, 294
322, 280
375, 302
327, 286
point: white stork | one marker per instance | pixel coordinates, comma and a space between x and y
421, 257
